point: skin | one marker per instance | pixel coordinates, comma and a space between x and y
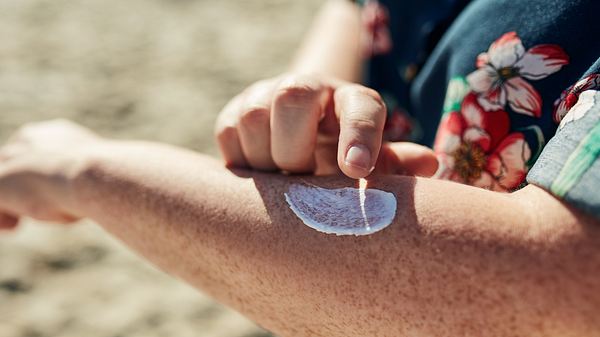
308, 120
456, 261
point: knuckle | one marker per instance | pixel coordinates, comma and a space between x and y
296, 89
362, 92
370, 93
254, 115
226, 134
365, 108
223, 122
358, 122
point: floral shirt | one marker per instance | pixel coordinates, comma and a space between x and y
506, 92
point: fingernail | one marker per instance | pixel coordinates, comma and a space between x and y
359, 156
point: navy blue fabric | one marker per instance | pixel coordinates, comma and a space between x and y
420, 37
416, 28
569, 24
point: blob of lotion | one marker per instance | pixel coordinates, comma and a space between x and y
342, 211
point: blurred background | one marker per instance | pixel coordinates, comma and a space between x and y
149, 69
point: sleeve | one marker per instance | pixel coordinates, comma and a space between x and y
569, 166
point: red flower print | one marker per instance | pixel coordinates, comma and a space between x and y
377, 39
586, 101
570, 97
475, 147
503, 70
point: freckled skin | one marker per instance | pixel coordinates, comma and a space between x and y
456, 261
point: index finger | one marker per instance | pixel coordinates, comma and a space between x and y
362, 116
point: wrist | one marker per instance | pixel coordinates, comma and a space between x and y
83, 175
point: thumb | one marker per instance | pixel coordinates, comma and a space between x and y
406, 159
362, 113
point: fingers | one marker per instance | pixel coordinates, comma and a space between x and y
407, 159
362, 117
254, 126
226, 133
296, 111
242, 130
273, 124
276, 124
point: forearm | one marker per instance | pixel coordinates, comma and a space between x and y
456, 261
331, 48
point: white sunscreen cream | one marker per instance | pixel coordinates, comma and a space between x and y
342, 211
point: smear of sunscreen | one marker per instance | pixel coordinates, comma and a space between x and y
342, 211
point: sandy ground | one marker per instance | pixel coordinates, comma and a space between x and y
150, 69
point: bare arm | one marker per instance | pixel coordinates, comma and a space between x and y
456, 261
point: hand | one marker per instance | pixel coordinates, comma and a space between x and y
303, 124
37, 167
